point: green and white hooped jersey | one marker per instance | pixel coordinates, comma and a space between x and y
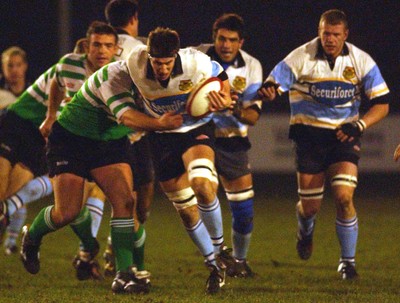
71, 72
95, 110
32, 104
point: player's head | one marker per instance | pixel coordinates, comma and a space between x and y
122, 13
14, 64
228, 32
333, 31
162, 47
102, 40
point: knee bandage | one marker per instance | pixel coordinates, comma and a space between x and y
311, 194
202, 168
345, 180
183, 198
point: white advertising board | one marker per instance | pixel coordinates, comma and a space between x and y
272, 151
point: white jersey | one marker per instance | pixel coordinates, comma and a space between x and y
245, 78
126, 44
324, 97
6, 98
191, 67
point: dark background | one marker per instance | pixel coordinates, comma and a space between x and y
274, 27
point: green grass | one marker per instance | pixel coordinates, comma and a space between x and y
178, 273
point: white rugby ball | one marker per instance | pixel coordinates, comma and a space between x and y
197, 105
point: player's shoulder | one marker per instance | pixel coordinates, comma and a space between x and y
72, 57
128, 41
203, 47
357, 52
192, 55
249, 58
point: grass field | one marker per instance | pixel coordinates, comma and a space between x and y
178, 273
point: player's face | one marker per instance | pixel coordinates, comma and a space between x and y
14, 69
162, 67
101, 49
227, 44
333, 38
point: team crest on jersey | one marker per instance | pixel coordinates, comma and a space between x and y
349, 72
239, 83
185, 85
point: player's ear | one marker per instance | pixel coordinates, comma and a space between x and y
346, 34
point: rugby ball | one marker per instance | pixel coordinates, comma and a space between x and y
197, 105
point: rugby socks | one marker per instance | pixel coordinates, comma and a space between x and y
347, 232
16, 222
138, 248
306, 225
212, 218
95, 207
199, 235
35, 189
122, 238
42, 225
242, 226
82, 228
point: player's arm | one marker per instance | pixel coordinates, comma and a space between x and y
350, 131
249, 115
56, 95
268, 91
140, 121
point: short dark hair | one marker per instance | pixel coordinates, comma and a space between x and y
163, 42
334, 17
101, 28
232, 22
119, 12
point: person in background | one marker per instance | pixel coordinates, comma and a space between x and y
325, 79
232, 142
14, 63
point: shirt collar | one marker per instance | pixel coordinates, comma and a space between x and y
176, 71
237, 62
121, 31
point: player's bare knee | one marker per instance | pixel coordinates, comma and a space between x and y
203, 189
311, 209
189, 216
310, 200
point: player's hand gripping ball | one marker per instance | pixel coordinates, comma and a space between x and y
198, 104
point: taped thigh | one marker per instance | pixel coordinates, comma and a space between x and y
311, 194
183, 198
202, 168
344, 180
242, 195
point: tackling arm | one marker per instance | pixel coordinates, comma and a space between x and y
140, 121
56, 96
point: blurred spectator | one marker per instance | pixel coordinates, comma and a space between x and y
14, 65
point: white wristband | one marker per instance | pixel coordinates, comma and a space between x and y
361, 125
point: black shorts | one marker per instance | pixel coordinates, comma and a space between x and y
318, 148
22, 142
69, 153
232, 165
168, 148
231, 158
140, 159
